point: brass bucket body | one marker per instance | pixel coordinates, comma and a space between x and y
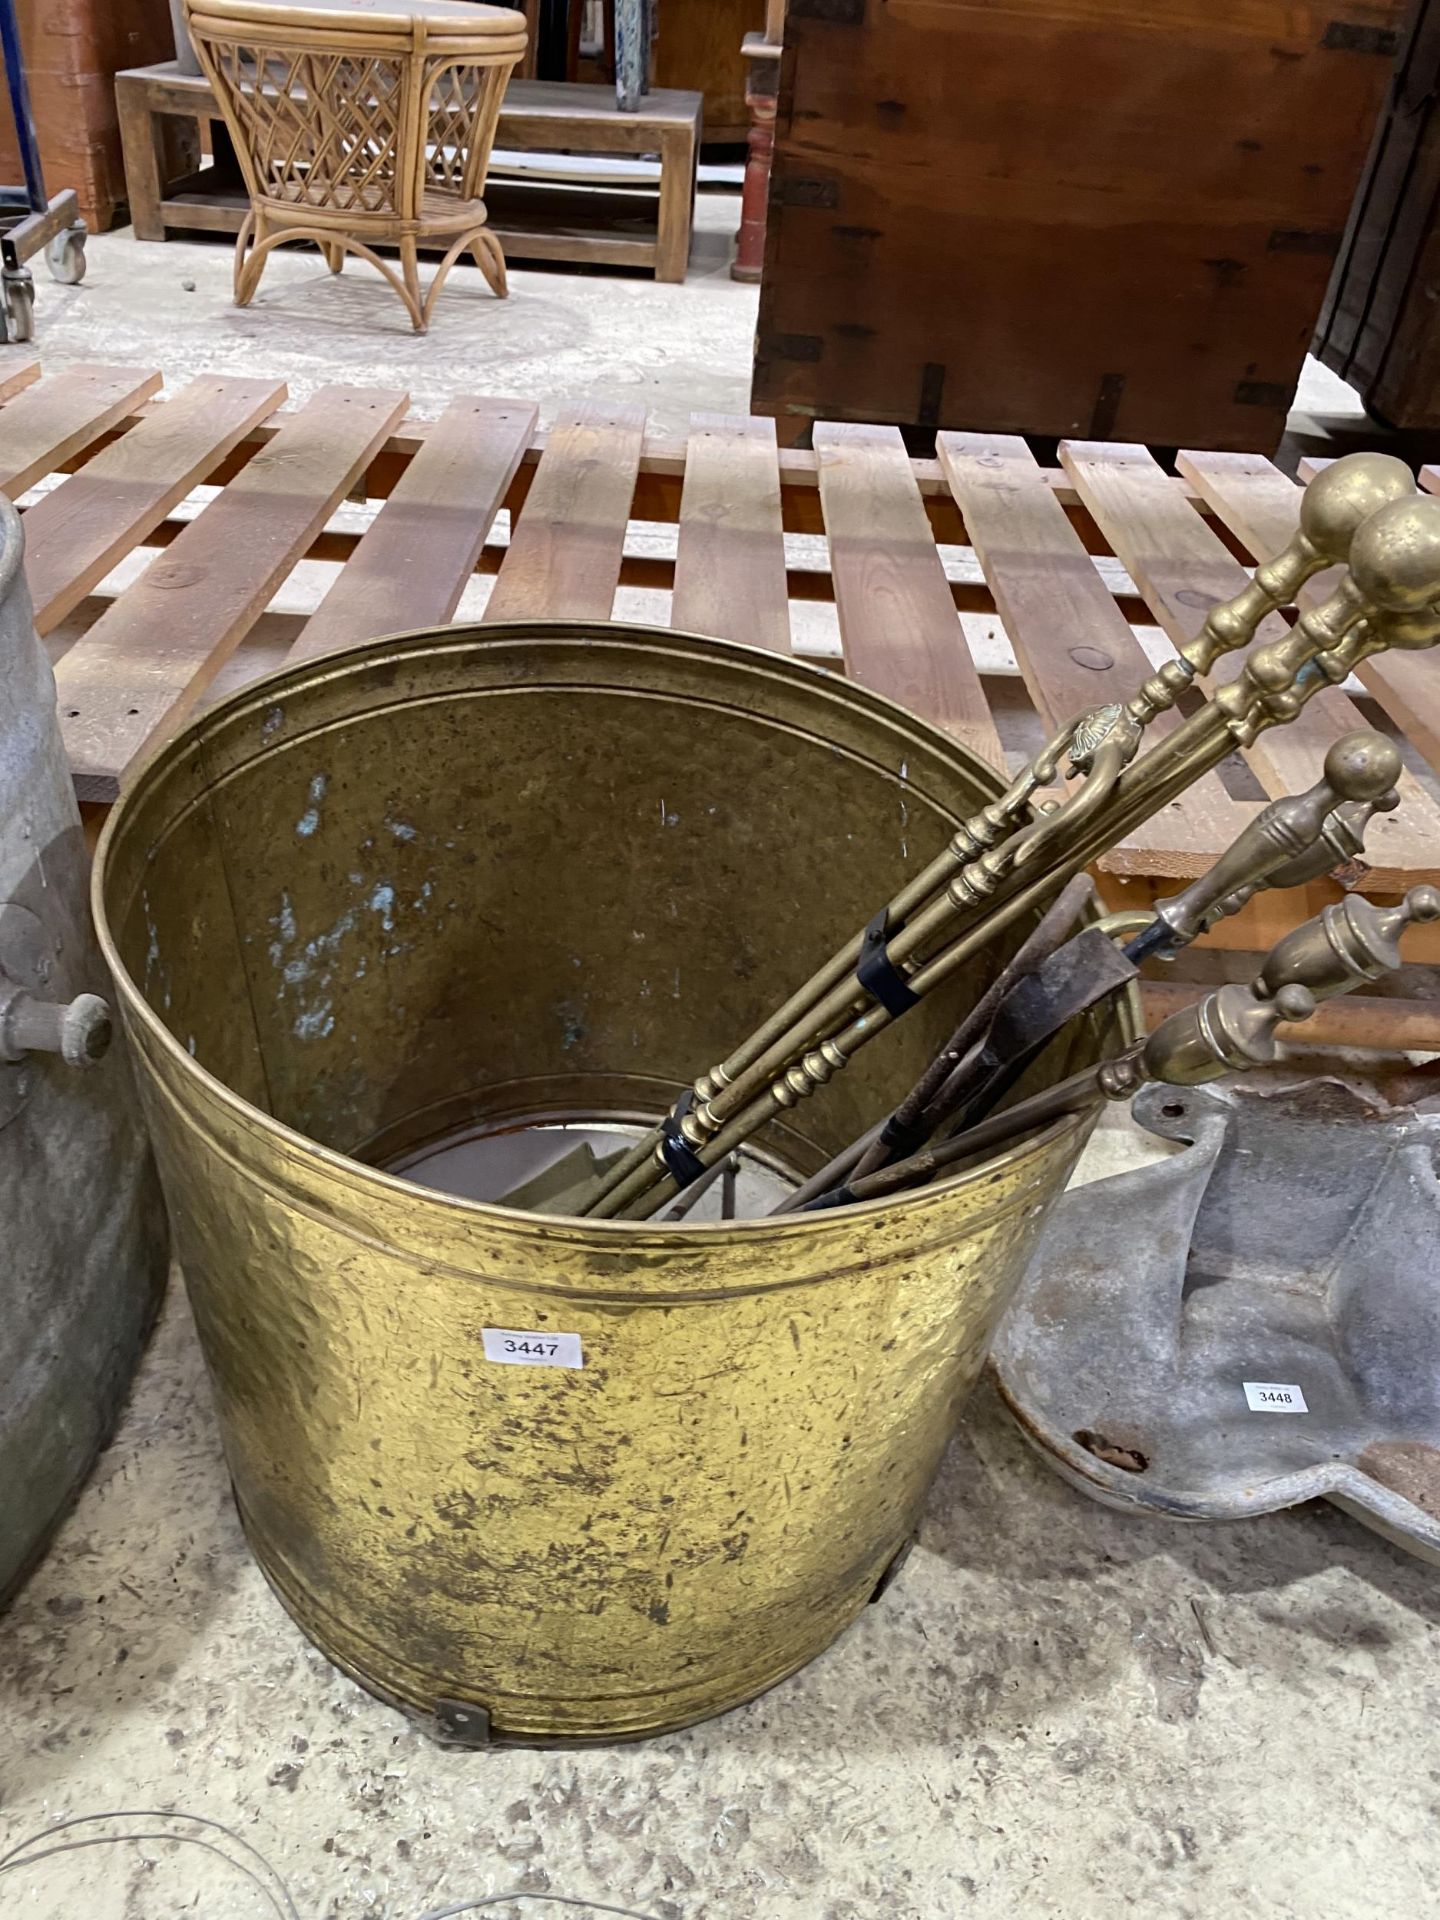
486, 876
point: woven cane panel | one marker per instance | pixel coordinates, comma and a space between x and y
321, 129
465, 102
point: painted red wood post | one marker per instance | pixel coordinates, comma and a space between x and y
762, 78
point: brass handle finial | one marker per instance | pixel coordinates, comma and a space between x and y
1235, 1027
1333, 509
1343, 496
1351, 941
1395, 555
1293, 840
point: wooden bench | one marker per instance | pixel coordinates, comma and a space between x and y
167, 116
991, 595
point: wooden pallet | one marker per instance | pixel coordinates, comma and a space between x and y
991, 595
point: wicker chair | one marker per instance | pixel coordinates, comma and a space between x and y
362, 123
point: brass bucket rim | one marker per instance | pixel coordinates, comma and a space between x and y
578, 1230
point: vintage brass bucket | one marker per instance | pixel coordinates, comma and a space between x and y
471, 877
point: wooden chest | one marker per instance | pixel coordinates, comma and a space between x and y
1095, 217
1380, 327
699, 47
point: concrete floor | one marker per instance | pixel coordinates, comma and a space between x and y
559, 336
1056, 1711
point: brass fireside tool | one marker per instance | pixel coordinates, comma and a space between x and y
1010, 857
1231, 1029
1289, 842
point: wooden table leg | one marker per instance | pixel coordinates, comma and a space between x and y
142, 148
679, 156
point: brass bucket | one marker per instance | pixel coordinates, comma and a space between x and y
469, 879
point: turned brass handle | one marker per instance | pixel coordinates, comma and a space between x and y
1333, 507
1293, 840
1235, 1027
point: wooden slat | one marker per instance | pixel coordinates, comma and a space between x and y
662, 468
1407, 686
75, 535
1183, 570
1248, 491
1175, 560
565, 551
415, 560
145, 662
13, 379
1252, 497
48, 424
1260, 505
1074, 647
898, 624
730, 564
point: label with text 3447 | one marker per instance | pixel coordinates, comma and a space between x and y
513, 1348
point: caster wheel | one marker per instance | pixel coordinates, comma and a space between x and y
65, 256
19, 299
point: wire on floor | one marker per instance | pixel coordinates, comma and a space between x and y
261, 1874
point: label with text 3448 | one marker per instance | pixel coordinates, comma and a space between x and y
1273, 1396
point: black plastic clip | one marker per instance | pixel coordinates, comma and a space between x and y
679, 1156
876, 973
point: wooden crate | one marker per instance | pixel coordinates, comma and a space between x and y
995, 597
1096, 217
